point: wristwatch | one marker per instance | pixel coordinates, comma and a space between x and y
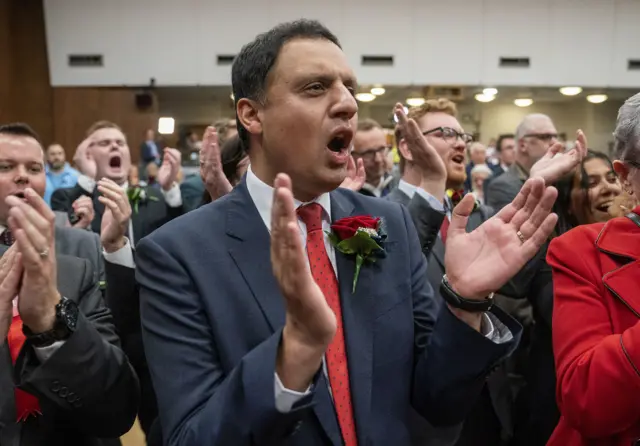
63, 327
457, 301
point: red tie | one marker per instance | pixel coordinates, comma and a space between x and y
443, 229
336, 357
26, 404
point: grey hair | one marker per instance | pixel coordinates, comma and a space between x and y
627, 132
527, 124
481, 168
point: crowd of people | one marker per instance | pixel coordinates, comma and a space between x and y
304, 289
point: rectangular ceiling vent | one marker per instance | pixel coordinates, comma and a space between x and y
377, 61
633, 64
226, 59
453, 92
85, 60
514, 62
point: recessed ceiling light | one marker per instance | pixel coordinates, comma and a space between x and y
415, 102
597, 98
233, 98
365, 97
378, 91
571, 91
490, 92
166, 126
523, 102
483, 97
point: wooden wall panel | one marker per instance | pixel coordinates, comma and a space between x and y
76, 109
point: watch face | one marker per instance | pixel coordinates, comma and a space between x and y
69, 313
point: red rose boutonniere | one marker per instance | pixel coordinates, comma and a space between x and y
456, 197
361, 236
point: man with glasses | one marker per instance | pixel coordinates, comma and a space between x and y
370, 144
534, 135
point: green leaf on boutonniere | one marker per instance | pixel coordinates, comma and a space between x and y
359, 262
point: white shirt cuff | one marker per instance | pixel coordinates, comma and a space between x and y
173, 196
86, 183
433, 201
285, 398
122, 257
44, 353
494, 330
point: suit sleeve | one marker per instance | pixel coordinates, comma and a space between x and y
210, 403
452, 360
597, 370
62, 199
427, 222
88, 380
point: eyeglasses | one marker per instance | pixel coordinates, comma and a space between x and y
370, 154
542, 136
635, 164
450, 135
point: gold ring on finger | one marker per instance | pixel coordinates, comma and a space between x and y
521, 237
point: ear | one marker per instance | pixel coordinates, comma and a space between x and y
621, 170
248, 115
404, 150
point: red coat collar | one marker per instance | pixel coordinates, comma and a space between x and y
621, 237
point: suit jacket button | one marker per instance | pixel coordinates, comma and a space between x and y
78, 403
55, 386
63, 392
71, 397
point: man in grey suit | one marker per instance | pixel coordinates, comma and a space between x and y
535, 134
431, 165
58, 345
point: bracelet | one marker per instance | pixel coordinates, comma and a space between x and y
457, 301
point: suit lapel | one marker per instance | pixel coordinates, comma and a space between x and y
438, 250
250, 249
358, 315
7, 399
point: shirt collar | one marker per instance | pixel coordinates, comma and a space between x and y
408, 189
262, 196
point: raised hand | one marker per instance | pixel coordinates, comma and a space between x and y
356, 176
211, 172
83, 159
32, 224
310, 323
482, 261
555, 163
171, 165
117, 213
10, 276
83, 209
423, 154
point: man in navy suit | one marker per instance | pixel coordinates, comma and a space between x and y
253, 341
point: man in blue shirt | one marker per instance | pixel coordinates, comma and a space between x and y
59, 173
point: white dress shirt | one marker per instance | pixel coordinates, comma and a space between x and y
262, 196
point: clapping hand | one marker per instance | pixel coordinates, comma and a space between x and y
482, 261
32, 225
168, 172
555, 164
423, 155
83, 159
117, 213
211, 172
10, 277
310, 323
356, 176
83, 209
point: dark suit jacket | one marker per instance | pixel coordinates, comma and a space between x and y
86, 390
497, 383
151, 215
192, 190
212, 318
502, 190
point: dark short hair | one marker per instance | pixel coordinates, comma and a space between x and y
253, 64
19, 129
501, 138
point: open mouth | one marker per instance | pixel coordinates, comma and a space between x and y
604, 207
340, 140
115, 162
20, 195
458, 159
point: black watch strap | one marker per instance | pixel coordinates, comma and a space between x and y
457, 301
64, 325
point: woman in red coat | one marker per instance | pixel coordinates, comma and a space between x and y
596, 329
